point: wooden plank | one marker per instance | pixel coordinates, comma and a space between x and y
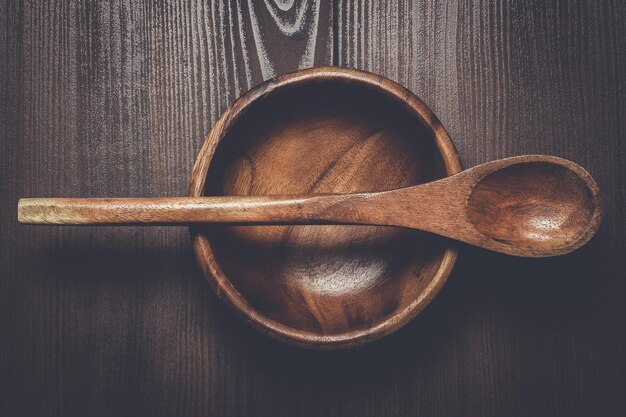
114, 99
506, 79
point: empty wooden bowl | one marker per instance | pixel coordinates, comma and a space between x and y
323, 130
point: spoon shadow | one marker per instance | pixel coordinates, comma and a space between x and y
551, 294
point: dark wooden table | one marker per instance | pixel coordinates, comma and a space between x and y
115, 98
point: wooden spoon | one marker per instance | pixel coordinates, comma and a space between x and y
533, 206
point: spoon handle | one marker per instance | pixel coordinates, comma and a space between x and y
311, 209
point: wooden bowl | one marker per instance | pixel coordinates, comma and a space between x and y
323, 130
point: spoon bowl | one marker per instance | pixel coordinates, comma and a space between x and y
544, 205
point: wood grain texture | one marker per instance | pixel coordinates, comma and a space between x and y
508, 78
115, 98
324, 130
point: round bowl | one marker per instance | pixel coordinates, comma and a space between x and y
323, 130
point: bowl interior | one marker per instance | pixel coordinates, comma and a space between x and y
328, 136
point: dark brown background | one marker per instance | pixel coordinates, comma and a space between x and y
115, 98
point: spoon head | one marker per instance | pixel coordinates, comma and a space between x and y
537, 206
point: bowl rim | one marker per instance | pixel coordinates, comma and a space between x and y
218, 280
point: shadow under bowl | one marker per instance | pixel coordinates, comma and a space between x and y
323, 130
